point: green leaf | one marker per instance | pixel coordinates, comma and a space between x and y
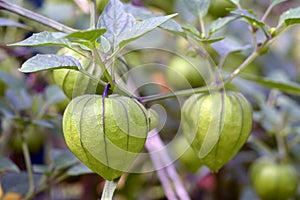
198, 8
290, 17
287, 87
220, 23
49, 62
64, 160
236, 2
248, 16
141, 13
104, 45
87, 35
8, 22
275, 2
109, 189
116, 21
79, 169
192, 29
18, 182
45, 38
141, 28
6, 165
54, 95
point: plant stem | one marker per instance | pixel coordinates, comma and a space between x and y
203, 31
108, 191
35, 17
164, 167
264, 17
28, 164
113, 86
93, 10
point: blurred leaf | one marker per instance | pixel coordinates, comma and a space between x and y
104, 45
275, 2
45, 38
54, 94
210, 40
49, 62
6, 111
11, 81
41, 169
248, 16
172, 26
220, 23
87, 35
289, 106
116, 21
79, 169
236, 2
290, 17
198, 8
141, 28
192, 29
288, 87
229, 45
64, 160
42, 123
8, 22
20, 100
270, 118
6, 165
17, 182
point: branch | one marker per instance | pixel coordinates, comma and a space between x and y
35, 17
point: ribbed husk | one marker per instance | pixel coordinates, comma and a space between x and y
106, 134
217, 125
75, 83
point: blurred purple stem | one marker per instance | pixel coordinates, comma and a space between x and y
165, 169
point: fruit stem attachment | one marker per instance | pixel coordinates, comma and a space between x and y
105, 92
109, 188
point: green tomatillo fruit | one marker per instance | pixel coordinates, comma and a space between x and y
107, 133
216, 125
74, 83
273, 181
184, 73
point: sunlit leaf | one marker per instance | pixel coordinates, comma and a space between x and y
290, 17
116, 21
141, 28
87, 35
45, 38
49, 62
220, 23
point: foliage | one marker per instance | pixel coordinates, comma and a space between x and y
243, 46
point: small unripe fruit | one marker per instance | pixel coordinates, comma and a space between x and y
216, 125
74, 83
273, 181
106, 134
